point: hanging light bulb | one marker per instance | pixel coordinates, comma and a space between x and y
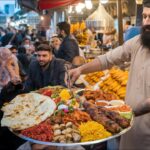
104, 1
70, 9
42, 18
88, 4
79, 7
139, 2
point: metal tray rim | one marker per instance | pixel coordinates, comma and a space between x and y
73, 144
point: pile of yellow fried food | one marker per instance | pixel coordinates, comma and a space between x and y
116, 83
93, 78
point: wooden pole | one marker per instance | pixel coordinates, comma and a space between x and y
120, 24
139, 10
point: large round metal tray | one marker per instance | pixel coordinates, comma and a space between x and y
74, 144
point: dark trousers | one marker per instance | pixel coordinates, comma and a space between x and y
100, 146
9, 141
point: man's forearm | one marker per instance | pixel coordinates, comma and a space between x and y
90, 67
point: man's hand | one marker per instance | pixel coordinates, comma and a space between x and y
142, 108
74, 74
84, 69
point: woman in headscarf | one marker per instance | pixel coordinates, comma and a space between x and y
9, 69
9, 72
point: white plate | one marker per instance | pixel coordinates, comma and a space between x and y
102, 101
116, 102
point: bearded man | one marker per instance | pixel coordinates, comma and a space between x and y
46, 70
136, 50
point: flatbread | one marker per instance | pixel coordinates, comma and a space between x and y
27, 110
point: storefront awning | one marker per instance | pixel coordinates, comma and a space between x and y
28, 4
49, 4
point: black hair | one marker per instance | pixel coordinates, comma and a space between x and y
146, 3
21, 50
64, 26
45, 42
44, 47
36, 44
13, 47
26, 39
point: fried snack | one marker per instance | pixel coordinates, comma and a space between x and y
93, 78
115, 83
76, 117
98, 95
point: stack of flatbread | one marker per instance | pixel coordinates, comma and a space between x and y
27, 110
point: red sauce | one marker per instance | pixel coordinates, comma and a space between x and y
41, 132
101, 104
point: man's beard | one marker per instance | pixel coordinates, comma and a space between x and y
145, 36
43, 65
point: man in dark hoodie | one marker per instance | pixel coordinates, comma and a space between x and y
69, 47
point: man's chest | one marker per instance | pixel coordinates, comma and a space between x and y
139, 79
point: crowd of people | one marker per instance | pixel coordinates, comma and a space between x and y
29, 62
32, 48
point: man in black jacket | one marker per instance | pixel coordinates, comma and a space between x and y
46, 70
69, 47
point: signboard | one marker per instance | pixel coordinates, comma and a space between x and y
33, 18
3, 19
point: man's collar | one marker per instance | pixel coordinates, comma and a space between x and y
66, 37
45, 67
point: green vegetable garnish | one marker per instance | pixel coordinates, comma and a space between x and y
71, 109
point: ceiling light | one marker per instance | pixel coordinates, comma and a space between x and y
88, 4
70, 9
139, 2
79, 7
104, 1
42, 18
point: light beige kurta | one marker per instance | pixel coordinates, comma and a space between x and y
138, 89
